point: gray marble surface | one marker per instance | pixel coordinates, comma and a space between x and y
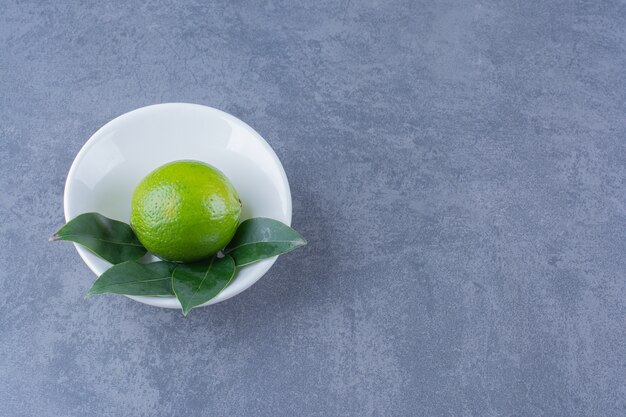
459, 169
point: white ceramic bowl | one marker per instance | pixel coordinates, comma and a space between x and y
116, 158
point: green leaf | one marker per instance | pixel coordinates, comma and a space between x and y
261, 238
195, 284
112, 240
133, 278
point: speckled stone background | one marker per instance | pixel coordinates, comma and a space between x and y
459, 169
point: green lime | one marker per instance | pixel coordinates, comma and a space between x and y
185, 211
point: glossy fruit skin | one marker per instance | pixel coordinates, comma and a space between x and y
185, 211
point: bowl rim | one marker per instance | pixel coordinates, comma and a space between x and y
170, 302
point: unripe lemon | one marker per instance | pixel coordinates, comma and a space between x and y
185, 211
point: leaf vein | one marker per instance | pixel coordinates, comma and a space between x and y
133, 282
202, 282
102, 240
255, 243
